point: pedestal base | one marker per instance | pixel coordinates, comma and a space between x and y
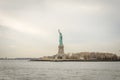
60, 54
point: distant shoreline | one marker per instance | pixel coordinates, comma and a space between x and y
61, 60
75, 60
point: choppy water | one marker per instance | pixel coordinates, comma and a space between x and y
27, 70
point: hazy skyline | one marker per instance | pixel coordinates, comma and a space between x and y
29, 28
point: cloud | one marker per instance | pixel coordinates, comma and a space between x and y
85, 24
11, 22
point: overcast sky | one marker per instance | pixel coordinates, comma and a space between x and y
29, 28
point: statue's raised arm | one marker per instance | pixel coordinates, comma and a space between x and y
59, 31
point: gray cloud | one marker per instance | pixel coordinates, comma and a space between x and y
29, 27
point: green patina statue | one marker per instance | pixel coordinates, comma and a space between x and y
60, 38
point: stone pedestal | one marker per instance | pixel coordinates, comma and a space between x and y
60, 49
60, 54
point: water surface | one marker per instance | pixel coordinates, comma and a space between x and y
28, 70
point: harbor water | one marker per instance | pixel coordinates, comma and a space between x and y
33, 70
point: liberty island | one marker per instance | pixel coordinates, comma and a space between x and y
82, 56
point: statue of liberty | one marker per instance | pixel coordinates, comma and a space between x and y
60, 54
61, 46
60, 38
